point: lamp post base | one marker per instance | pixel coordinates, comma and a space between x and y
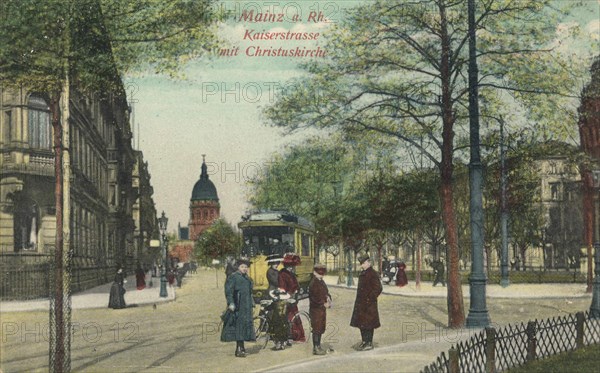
478, 314
163, 286
504, 282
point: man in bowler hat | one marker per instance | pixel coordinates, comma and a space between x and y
366, 315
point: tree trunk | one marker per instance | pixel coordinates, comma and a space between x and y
456, 312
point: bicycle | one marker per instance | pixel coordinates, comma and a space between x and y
304, 317
261, 323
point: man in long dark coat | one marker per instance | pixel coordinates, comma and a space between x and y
238, 292
366, 315
319, 298
438, 270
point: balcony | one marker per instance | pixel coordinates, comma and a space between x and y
39, 164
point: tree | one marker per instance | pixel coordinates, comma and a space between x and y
217, 242
320, 180
401, 72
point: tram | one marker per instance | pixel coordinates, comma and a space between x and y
277, 232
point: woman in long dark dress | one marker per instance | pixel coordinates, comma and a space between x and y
401, 278
140, 278
288, 282
117, 291
238, 292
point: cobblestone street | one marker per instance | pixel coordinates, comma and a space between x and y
182, 336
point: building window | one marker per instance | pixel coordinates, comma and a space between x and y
6, 128
39, 123
554, 191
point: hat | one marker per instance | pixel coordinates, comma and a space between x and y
320, 269
291, 259
273, 258
243, 260
363, 258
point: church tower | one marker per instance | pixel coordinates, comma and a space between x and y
204, 205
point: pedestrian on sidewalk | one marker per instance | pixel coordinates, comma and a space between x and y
116, 298
288, 282
238, 292
140, 277
273, 261
366, 314
171, 277
320, 300
278, 323
401, 279
439, 268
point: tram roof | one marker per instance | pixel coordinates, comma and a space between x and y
277, 216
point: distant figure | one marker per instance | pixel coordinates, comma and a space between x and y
140, 278
401, 279
385, 264
438, 271
180, 273
171, 276
116, 299
149, 278
230, 266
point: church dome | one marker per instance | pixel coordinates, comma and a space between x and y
204, 189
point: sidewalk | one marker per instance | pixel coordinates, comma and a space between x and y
97, 297
561, 291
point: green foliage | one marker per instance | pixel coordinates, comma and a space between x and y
217, 241
584, 360
94, 42
384, 73
164, 34
321, 180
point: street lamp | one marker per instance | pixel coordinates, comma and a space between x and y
478, 313
162, 226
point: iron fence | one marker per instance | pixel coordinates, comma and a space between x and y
26, 275
25, 283
496, 350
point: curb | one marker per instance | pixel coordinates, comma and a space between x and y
467, 295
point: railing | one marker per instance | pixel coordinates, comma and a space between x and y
41, 164
496, 350
518, 277
28, 275
25, 283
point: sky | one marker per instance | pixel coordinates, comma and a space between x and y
216, 109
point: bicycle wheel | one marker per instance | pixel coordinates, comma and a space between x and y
300, 327
261, 329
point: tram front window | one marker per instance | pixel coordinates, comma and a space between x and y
267, 240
